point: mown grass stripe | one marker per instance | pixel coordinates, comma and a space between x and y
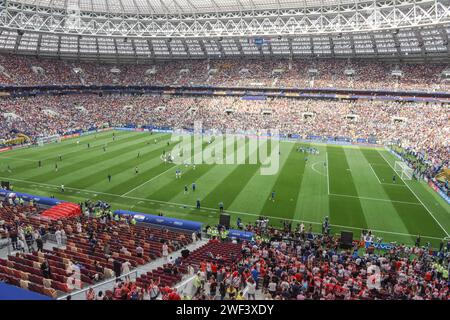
234, 182
286, 186
121, 168
312, 203
88, 160
77, 153
381, 213
343, 211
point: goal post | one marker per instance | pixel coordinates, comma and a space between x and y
49, 139
403, 170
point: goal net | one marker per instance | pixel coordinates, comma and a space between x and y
49, 139
402, 169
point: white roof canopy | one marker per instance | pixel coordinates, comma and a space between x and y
180, 6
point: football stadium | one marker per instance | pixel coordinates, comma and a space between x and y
224, 150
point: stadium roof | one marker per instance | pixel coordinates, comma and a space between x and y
181, 6
163, 29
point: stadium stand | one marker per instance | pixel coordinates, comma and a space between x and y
381, 85
223, 254
62, 210
313, 268
379, 121
93, 252
293, 74
304, 266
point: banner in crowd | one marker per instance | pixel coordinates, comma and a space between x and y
78, 133
320, 93
240, 234
21, 146
89, 132
162, 130
162, 221
27, 197
379, 245
439, 191
69, 136
181, 224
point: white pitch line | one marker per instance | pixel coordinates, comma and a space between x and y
386, 183
393, 184
19, 159
173, 167
370, 165
373, 199
142, 184
52, 156
378, 164
230, 211
410, 189
381, 231
313, 167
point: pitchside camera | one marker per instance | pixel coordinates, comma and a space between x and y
224, 220
346, 239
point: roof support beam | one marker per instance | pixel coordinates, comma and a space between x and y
187, 21
38, 47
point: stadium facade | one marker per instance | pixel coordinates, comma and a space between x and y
143, 30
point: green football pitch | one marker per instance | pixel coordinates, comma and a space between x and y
352, 185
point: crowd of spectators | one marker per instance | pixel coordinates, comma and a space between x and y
300, 265
422, 127
425, 129
308, 266
98, 234
291, 263
314, 73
